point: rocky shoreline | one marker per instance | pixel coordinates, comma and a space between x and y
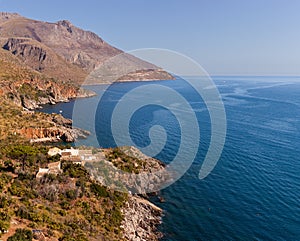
141, 217
57, 129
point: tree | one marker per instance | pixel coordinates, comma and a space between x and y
25, 154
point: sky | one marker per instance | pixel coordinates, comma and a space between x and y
226, 37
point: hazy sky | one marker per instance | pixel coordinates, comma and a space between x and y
230, 37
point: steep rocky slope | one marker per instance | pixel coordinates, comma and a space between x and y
43, 59
28, 88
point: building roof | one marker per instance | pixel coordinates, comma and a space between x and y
54, 151
66, 153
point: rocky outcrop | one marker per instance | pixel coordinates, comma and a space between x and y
43, 59
7, 16
115, 171
61, 130
141, 218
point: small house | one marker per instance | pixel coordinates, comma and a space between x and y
53, 168
42, 172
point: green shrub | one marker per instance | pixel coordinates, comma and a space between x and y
74, 171
71, 194
17, 189
98, 190
4, 201
4, 225
21, 235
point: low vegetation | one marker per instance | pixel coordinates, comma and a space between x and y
21, 235
68, 206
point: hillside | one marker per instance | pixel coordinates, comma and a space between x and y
69, 204
29, 88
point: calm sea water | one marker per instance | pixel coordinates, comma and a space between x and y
254, 191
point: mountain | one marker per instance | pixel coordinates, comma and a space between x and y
66, 52
45, 63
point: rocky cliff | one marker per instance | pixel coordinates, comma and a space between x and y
31, 94
141, 218
53, 134
43, 59
30, 89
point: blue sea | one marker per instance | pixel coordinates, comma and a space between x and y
253, 193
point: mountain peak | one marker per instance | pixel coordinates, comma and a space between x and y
67, 24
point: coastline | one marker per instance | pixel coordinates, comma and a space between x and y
140, 215
125, 81
141, 218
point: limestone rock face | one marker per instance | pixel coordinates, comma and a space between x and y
141, 219
43, 59
21, 47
